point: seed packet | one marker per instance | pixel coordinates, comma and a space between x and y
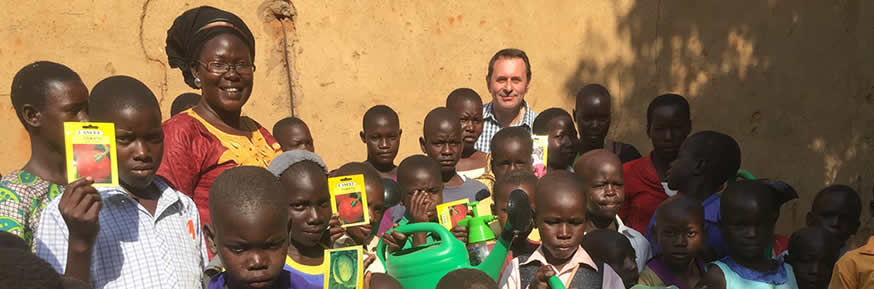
345, 268
90, 152
349, 200
452, 212
541, 147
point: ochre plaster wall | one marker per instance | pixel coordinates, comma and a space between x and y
791, 80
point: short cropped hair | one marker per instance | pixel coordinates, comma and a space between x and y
30, 83
467, 279
436, 117
541, 123
23, 269
771, 194
416, 162
681, 203
667, 100
516, 132
184, 101
848, 191
287, 122
117, 93
371, 175
246, 189
721, 150
593, 89
380, 110
460, 94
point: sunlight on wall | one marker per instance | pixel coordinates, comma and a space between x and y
834, 155
740, 56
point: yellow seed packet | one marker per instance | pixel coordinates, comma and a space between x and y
90, 152
349, 200
539, 154
452, 212
345, 268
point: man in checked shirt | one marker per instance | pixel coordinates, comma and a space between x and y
508, 78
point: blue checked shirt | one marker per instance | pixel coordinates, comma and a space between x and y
134, 249
491, 125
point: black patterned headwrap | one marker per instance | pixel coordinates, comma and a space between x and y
197, 26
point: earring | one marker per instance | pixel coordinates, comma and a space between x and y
197, 82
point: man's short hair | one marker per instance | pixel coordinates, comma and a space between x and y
509, 53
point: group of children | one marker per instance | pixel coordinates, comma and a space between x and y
691, 222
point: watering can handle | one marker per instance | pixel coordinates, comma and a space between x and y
432, 228
555, 283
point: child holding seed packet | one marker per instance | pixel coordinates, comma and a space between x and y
132, 217
304, 177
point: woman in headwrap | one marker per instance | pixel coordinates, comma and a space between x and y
215, 51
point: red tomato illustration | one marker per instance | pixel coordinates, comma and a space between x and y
93, 161
350, 208
457, 213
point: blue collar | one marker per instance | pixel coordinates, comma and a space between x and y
777, 277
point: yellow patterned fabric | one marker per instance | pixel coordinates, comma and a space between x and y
244, 151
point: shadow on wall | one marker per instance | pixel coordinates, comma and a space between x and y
785, 78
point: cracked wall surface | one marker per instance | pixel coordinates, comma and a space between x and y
791, 80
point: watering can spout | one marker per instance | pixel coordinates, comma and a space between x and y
519, 222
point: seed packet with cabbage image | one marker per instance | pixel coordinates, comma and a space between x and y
345, 268
349, 200
90, 152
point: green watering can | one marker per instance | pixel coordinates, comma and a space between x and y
421, 267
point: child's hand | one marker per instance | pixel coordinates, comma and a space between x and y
394, 240
540, 170
80, 207
367, 277
335, 229
460, 233
420, 207
541, 277
369, 260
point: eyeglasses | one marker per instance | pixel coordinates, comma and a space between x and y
222, 68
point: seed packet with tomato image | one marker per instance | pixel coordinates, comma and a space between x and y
345, 268
541, 147
349, 200
90, 152
452, 212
